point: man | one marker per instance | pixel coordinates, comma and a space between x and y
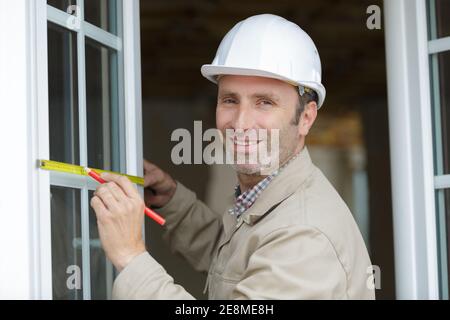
287, 234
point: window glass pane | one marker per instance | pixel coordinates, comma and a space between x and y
101, 268
102, 107
61, 4
441, 104
66, 243
439, 11
63, 95
102, 13
443, 209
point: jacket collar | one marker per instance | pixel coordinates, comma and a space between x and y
281, 187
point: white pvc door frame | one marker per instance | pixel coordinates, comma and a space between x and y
411, 145
25, 244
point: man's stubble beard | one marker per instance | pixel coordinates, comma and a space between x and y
287, 144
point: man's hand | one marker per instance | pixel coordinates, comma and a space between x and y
120, 214
159, 185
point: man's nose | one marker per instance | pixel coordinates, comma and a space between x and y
244, 118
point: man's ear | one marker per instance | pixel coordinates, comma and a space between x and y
307, 118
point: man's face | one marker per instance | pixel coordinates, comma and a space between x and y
247, 104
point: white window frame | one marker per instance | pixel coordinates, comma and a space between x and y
26, 267
85, 30
441, 181
411, 141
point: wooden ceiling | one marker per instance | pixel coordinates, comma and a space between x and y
178, 36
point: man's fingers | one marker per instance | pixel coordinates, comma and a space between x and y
123, 182
116, 191
99, 207
148, 166
106, 196
153, 178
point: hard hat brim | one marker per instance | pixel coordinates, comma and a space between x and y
211, 72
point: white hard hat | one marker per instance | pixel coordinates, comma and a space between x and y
270, 46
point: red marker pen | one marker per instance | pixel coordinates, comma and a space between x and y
149, 212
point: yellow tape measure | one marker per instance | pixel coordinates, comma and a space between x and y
79, 170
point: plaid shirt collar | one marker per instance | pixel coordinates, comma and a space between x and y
245, 200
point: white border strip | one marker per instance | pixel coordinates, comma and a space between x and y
43, 151
442, 182
81, 57
132, 82
25, 268
414, 214
100, 35
439, 45
62, 19
67, 180
133, 91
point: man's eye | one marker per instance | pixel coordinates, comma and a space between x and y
229, 101
266, 103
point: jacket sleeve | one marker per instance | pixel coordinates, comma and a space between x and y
294, 262
144, 278
192, 229
290, 263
